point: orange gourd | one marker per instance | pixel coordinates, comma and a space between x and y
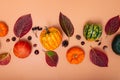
3, 29
50, 38
75, 55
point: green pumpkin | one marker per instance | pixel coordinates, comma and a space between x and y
116, 44
92, 31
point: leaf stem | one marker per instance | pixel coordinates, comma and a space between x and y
92, 49
68, 39
35, 32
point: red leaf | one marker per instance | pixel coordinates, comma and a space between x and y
51, 58
112, 25
98, 58
5, 58
23, 25
66, 25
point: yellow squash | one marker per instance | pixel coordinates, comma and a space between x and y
50, 38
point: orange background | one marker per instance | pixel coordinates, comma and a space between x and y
46, 13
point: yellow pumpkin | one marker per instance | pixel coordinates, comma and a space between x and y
50, 38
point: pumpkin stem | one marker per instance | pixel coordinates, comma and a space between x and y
75, 56
47, 31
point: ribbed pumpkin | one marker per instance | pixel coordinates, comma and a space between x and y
92, 31
75, 55
50, 38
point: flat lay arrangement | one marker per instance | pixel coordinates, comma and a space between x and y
60, 44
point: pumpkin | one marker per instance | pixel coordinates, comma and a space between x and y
92, 31
50, 38
75, 55
3, 29
116, 44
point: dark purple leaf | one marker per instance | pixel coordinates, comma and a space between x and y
23, 25
98, 58
66, 25
112, 25
51, 58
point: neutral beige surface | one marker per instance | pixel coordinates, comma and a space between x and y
46, 13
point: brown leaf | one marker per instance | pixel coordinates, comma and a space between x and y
98, 58
112, 25
51, 58
23, 25
5, 58
66, 25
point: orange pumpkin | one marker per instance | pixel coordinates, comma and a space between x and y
75, 55
50, 38
3, 29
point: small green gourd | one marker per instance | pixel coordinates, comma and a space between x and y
92, 31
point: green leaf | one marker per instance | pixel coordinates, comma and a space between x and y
66, 25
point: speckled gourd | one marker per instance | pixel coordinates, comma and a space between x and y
92, 31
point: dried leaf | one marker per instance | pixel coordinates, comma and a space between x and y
51, 58
5, 58
112, 25
98, 58
23, 25
66, 25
